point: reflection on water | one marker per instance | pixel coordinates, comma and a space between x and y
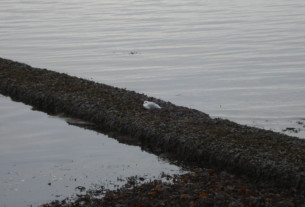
43, 158
242, 60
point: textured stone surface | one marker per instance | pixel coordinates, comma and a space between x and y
183, 134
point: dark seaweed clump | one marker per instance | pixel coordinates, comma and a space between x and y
181, 133
202, 187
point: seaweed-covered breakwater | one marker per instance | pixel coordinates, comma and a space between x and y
184, 134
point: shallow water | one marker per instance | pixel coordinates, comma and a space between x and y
44, 158
241, 60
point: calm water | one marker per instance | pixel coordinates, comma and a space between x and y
241, 60
43, 158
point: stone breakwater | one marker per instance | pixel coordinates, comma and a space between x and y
184, 134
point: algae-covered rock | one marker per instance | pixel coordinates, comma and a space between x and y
185, 134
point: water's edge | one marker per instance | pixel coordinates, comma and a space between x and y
184, 134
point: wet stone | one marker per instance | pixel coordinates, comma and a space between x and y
185, 134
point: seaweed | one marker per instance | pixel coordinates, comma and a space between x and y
184, 134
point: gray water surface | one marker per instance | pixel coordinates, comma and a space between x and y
42, 158
240, 60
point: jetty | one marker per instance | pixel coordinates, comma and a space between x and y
181, 133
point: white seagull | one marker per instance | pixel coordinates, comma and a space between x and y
150, 105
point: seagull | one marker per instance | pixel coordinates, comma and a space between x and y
150, 105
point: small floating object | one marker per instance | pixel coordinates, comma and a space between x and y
151, 105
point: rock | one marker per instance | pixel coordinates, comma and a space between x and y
184, 134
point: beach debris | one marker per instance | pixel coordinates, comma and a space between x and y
133, 52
